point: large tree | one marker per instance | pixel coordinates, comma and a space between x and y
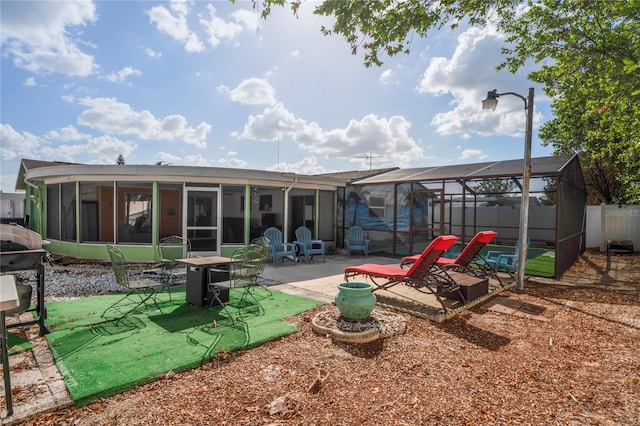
588, 53
592, 87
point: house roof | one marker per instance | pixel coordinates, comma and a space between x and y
540, 166
34, 164
27, 164
356, 175
54, 171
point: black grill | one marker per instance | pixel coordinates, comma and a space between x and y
21, 250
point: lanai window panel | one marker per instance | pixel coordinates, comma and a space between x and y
170, 209
53, 211
68, 211
233, 212
96, 212
134, 215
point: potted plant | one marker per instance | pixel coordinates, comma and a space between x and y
355, 301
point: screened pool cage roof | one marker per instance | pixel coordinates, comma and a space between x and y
540, 166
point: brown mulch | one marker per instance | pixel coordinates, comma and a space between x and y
574, 361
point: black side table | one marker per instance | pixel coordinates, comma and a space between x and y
624, 246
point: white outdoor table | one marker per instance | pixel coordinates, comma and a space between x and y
8, 300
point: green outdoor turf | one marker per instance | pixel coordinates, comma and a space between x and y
101, 358
17, 344
542, 266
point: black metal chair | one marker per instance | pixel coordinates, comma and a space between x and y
171, 248
259, 257
139, 291
245, 266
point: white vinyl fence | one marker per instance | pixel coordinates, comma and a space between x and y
611, 223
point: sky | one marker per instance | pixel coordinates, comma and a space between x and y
210, 83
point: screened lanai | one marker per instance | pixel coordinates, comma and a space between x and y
79, 208
403, 210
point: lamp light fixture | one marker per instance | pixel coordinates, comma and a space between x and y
491, 102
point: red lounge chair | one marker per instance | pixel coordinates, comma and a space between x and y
469, 260
424, 274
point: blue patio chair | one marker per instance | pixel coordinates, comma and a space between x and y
355, 241
508, 262
308, 247
279, 249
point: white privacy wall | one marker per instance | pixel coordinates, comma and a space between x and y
604, 222
619, 223
612, 222
506, 219
594, 223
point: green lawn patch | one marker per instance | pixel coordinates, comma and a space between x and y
542, 266
17, 344
100, 358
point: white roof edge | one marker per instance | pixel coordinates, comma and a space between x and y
184, 172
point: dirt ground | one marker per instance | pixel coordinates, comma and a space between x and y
569, 356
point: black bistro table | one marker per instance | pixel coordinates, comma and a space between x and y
197, 292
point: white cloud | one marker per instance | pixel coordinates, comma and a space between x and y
112, 117
16, 144
176, 26
387, 138
306, 166
68, 133
152, 53
168, 158
467, 76
265, 126
218, 29
30, 82
233, 162
472, 153
193, 44
251, 91
196, 160
41, 36
122, 75
100, 149
386, 77
247, 18
181, 6
201, 161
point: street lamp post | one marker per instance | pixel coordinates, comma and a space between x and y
491, 102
